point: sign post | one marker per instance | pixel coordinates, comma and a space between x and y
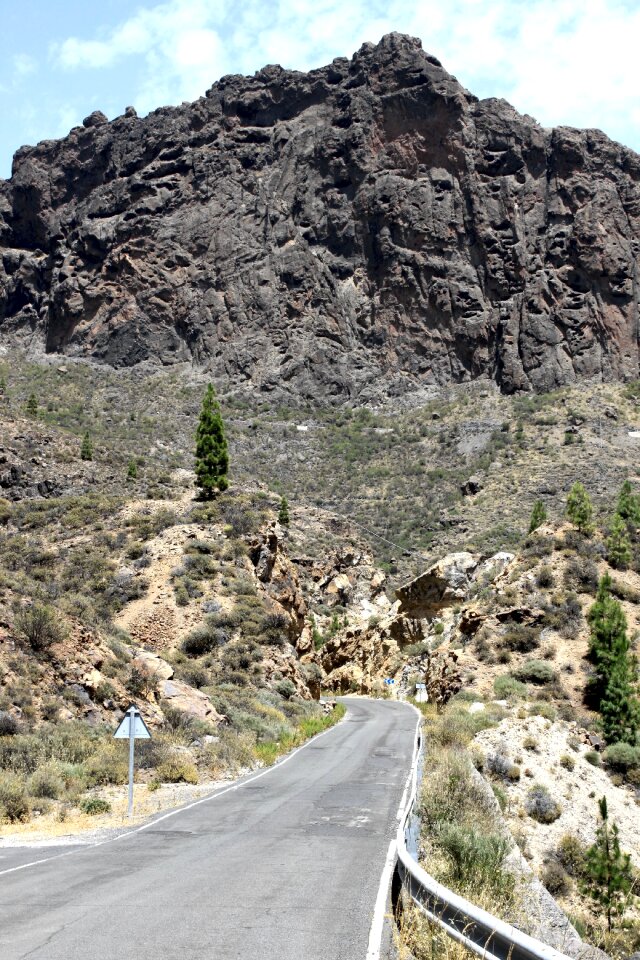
132, 727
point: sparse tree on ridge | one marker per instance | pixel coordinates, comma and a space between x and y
609, 873
32, 405
86, 450
580, 509
212, 454
628, 504
619, 553
538, 516
283, 513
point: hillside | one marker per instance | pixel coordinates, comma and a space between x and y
344, 235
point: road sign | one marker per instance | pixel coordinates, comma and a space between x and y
389, 681
421, 686
132, 727
140, 729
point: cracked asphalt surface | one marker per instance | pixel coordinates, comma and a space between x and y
286, 866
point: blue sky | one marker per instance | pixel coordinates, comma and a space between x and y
570, 62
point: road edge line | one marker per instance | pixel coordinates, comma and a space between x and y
380, 910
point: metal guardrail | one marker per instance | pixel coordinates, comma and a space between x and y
477, 930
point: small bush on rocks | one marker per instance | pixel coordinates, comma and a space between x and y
555, 879
541, 806
535, 671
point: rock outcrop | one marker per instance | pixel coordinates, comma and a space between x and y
346, 233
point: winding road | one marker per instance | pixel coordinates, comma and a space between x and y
283, 865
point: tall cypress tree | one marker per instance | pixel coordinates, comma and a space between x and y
212, 454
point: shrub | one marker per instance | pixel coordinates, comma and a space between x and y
545, 578
541, 806
571, 854
501, 766
555, 879
9, 726
592, 757
177, 770
94, 806
39, 626
507, 687
521, 639
46, 782
472, 853
14, 803
622, 757
535, 671
107, 766
286, 688
567, 762
581, 573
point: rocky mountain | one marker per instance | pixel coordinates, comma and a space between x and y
347, 233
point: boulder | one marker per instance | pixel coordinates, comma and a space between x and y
445, 583
186, 699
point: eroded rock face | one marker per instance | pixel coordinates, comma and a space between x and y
345, 233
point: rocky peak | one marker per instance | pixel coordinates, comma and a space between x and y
351, 232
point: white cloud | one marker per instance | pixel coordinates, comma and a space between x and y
23, 64
564, 61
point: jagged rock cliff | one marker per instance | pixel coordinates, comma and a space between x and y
362, 228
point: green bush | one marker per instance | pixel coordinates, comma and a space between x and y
39, 626
571, 854
46, 782
14, 802
506, 687
622, 757
94, 806
473, 854
535, 671
521, 639
592, 757
177, 770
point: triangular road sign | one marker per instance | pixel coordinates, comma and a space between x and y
140, 729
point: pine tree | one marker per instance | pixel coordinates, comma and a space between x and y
609, 873
86, 450
32, 405
579, 509
3, 386
538, 516
283, 513
619, 706
619, 553
628, 504
613, 688
212, 455
132, 470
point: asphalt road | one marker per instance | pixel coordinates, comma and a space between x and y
285, 866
